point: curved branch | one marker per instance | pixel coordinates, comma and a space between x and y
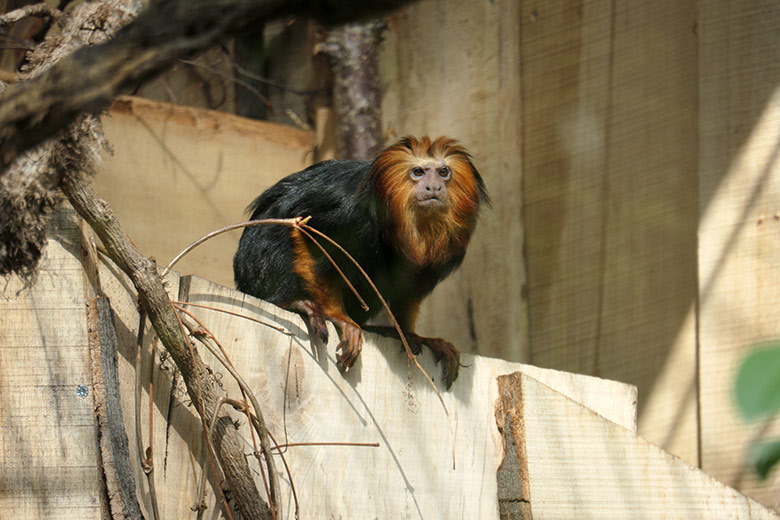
38, 10
91, 77
154, 300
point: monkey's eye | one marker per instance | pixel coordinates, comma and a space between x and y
417, 173
444, 172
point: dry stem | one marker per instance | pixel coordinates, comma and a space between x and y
154, 300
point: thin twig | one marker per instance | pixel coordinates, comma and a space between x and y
150, 449
351, 444
281, 330
200, 406
281, 221
291, 222
265, 444
201, 503
387, 307
363, 304
211, 68
274, 83
146, 461
256, 423
199, 334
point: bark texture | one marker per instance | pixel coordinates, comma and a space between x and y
353, 50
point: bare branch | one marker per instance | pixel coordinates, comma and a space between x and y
262, 431
154, 300
353, 50
165, 31
39, 10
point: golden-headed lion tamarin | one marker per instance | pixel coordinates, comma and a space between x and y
407, 218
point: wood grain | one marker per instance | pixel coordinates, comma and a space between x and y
48, 433
383, 399
578, 465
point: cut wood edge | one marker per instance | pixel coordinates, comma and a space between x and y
203, 118
614, 400
575, 464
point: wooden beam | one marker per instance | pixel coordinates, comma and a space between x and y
383, 400
48, 431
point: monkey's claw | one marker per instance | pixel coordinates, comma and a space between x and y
312, 317
447, 355
415, 344
318, 327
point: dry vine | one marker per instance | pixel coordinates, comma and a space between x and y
301, 224
201, 386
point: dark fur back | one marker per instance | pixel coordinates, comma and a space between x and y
330, 192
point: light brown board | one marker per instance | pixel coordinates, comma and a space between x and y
453, 68
177, 173
609, 95
578, 465
48, 433
382, 399
739, 255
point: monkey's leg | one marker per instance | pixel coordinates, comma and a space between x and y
392, 332
444, 352
325, 302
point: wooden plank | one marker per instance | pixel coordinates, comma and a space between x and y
304, 399
48, 435
172, 441
426, 465
323, 405
462, 80
577, 465
609, 166
739, 257
177, 173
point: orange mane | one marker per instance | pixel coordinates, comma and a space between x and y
428, 238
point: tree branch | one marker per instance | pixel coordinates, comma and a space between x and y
154, 300
91, 77
39, 10
353, 50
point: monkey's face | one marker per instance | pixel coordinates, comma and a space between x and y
429, 184
424, 182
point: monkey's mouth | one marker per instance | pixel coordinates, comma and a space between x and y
430, 202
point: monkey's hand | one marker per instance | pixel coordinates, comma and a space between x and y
351, 342
443, 351
351, 339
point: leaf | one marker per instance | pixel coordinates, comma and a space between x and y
758, 382
763, 456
